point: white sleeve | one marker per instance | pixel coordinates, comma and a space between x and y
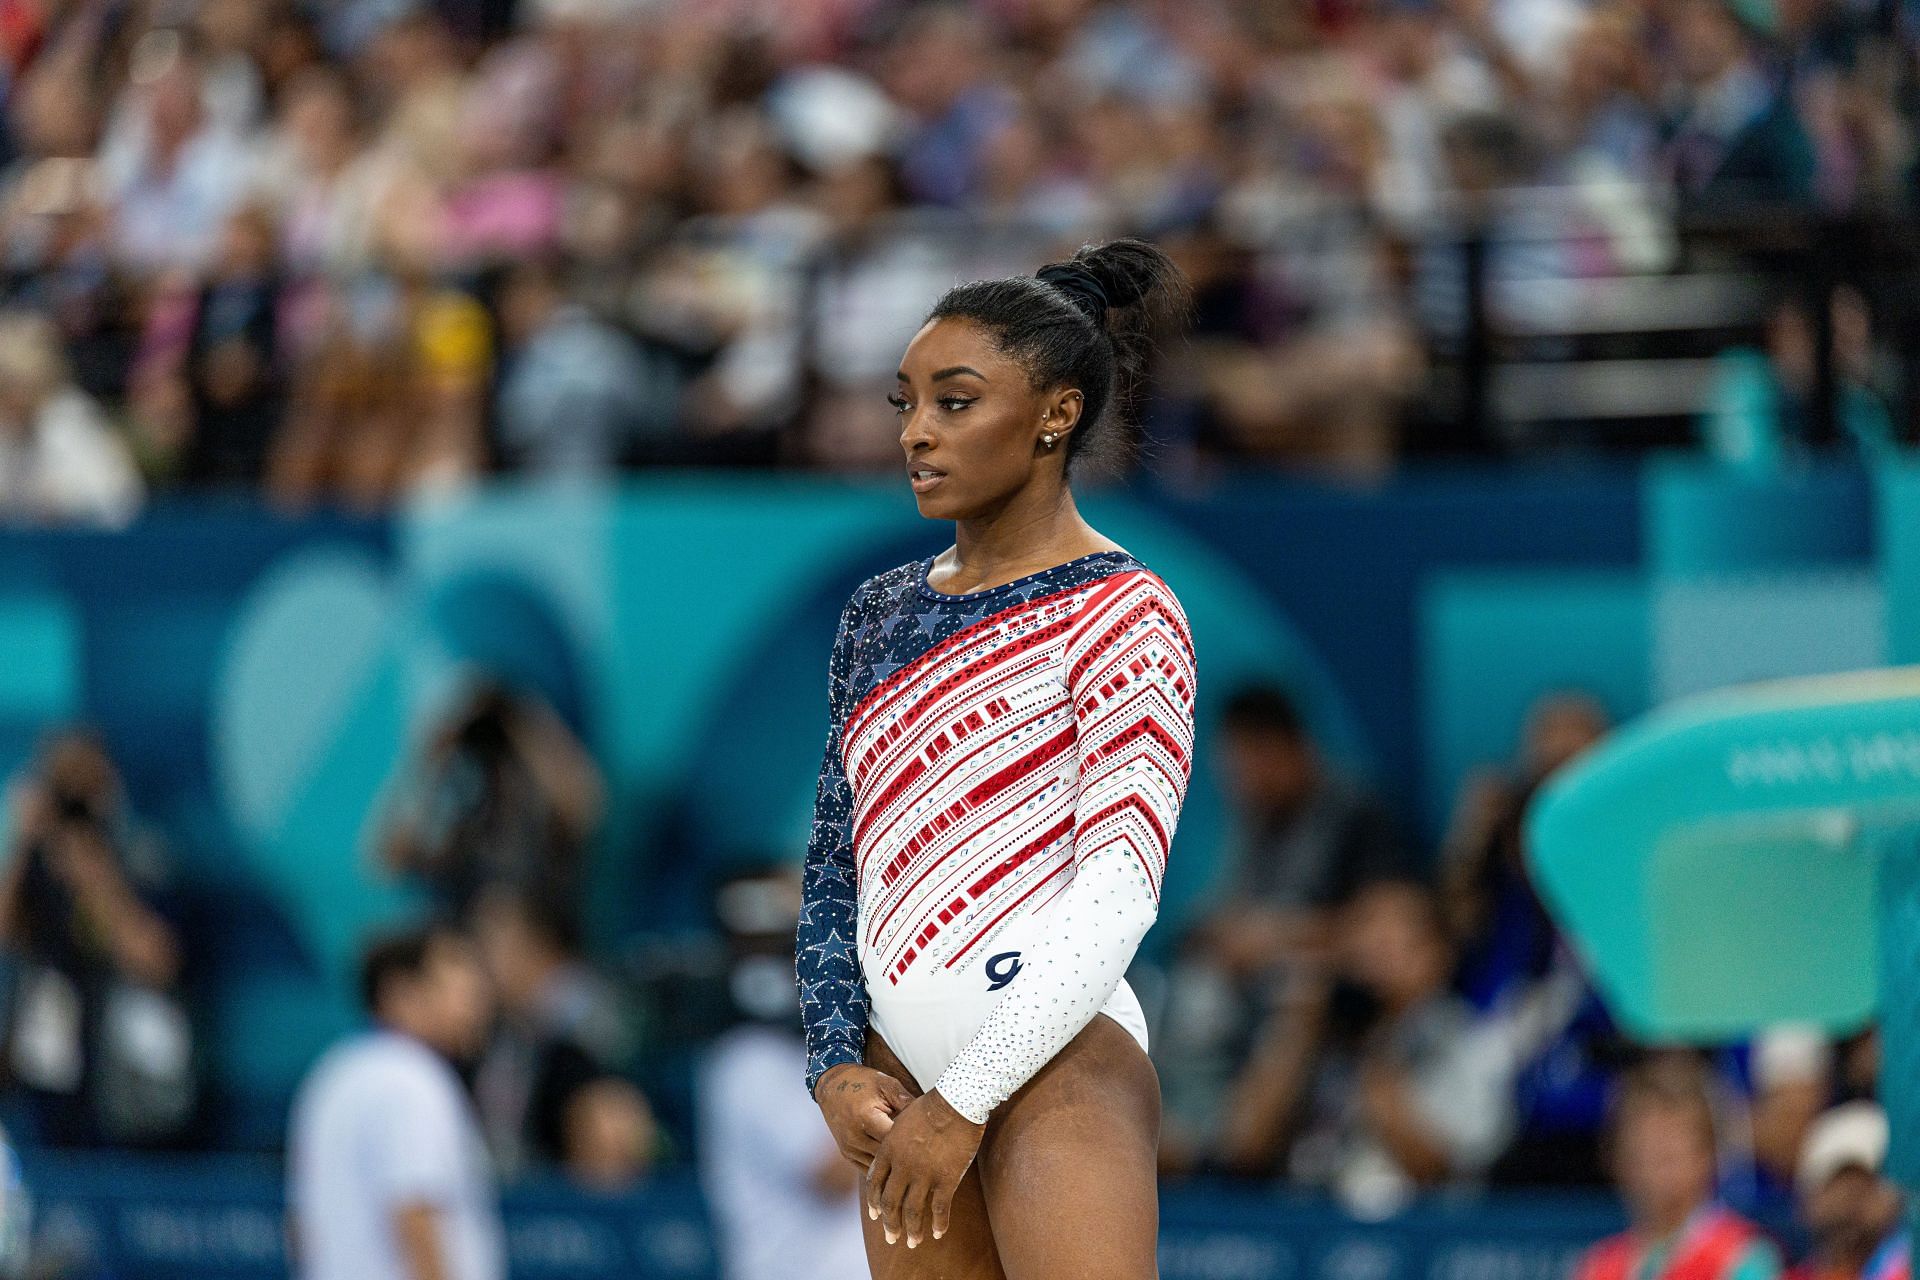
418, 1147
1131, 678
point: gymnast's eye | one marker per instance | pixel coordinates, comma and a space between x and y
899, 403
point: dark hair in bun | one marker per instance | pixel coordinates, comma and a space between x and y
1090, 322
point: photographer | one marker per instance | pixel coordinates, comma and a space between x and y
505, 796
95, 1036
1374, 1081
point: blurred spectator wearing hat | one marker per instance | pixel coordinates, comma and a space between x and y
1664, 1162
1851, 1208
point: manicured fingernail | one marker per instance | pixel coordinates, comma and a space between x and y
891, 1237
913, 1241
937, 1233
873, 1213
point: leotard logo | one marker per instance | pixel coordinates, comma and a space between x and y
1002, 969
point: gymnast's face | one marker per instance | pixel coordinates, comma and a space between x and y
971, 424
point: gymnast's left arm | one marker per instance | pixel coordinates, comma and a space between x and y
1131, 677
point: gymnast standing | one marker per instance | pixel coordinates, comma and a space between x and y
1011, 737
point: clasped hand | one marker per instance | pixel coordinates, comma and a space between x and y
915, 1150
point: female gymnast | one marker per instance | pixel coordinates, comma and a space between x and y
1011, 738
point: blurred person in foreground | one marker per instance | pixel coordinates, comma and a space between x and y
95, 1036
1306, 840
1514, 964
1852, 1210
60, 460
388, 1171
1505, 935
1663, 1156
504, 796
1798, 1073
1374, 1081
549, 1088
783, 1197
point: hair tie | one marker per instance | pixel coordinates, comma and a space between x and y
1082, 288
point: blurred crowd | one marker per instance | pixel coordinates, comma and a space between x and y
365, 251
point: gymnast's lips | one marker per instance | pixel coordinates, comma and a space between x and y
923, 477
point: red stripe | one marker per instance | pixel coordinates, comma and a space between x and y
1013, 863
894, 685
994, 877
901, 781
906, 893
1146, 727
1137, 801
935, 781
1025, 765
975, 940
955, 869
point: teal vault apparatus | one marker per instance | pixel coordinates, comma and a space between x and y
1751, 857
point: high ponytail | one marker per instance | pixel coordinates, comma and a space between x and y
1091, 322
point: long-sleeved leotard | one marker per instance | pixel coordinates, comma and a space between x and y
1002, 777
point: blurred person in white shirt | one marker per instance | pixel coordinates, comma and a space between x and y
781, 1194
59, 458
389, 1174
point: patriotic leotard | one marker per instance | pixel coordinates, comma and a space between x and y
1002, 777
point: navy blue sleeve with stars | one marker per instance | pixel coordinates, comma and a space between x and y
833, 995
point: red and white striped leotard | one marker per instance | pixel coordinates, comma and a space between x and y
1011, 767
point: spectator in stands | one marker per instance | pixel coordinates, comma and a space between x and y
503, 796
784, 1200
1735, 139
96, 1037
1760, 414
1307, 839
578, 395
1854, 1213
214, 357
388, 1174
549, 1087
1663, 1156
389, 403
171, 169
1377, 1083
59, 458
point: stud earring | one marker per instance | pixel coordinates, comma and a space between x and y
1048, 439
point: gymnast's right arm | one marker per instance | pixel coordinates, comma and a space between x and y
858, 1102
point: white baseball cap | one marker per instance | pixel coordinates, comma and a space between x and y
1851, 1136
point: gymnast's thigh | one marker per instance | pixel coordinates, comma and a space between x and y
966, 1251
1068, 1164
